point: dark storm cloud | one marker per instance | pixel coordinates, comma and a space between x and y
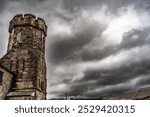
122, 74
2, 4
97, 54
119, 75
102, 78
135, 38
113, 4
144, 82
131, 39
66, 48
82, 29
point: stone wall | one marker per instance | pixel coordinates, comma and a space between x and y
26, 54
6, 83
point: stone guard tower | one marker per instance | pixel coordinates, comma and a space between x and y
25, 57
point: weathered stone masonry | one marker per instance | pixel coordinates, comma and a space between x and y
25, 57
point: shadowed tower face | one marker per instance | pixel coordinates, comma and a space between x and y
26, 57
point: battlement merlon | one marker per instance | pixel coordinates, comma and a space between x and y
28, 20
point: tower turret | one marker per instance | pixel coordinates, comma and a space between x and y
26, 57
27, 29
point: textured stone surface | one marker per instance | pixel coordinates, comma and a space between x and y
26, 55
6, 84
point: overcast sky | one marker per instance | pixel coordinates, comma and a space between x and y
93, 47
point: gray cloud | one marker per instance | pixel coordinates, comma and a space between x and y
68, 47
102, 78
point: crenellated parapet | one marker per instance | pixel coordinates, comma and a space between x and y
28, 20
